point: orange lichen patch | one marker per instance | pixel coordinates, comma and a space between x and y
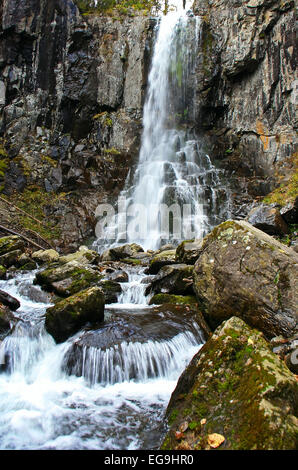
264, 138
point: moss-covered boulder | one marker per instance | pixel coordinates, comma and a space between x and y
111, 289
11, 243
45, 256
189, 251
243, 271
162, 259
10, 259
235, 394
159, 299
67, 279
83, 257
175, 279
2, 273
68, 316
128, 250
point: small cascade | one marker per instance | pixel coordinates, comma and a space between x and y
133, 291
136, 361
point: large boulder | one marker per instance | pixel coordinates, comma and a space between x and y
245, 272
69, 315
45, 256
83, 257
159, 260
268, 219
7, 319
189, 251
11, 258
11, 243
9, 300
235, 394
111, 290
121, 252
173, 279
67, 279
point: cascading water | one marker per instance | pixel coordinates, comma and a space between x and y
108, 388
173, 194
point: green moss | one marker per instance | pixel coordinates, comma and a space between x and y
287, 192
35, 200
159, 299
236, 388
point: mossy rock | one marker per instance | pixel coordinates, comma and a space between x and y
174, 279
246, 272
188, 251
111, 289
238, 388
164, 258
10, 259
83, 256
45, 256
68, 316
12, 243
67, 279
128, 250
159, 299
2, 272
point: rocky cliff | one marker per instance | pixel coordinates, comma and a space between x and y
71, 95
72, 88
247, 93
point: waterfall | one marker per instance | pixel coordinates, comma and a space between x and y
172, 194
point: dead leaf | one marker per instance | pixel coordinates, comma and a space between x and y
215, 440
203, 421
183, 426
179, 435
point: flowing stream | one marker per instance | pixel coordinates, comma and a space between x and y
109, 388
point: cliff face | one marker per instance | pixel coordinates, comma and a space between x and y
72, 90
71, 95
246, 88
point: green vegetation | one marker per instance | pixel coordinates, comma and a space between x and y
34, 200
88, 7
287, 191
4, 161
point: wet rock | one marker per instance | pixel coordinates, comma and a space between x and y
159, 299
101, 355
2, 272
162, 259
12, 243
45, 256
243, 271
34, 293
237, 388
9, 300
67, 279
188, 251
69, 315
83, 256
10, 259
289, 212
268, 219
174, 279
121, 252
118, 276
6, 320
111, 289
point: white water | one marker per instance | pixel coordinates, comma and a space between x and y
172, 167
119, 400
42, 407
